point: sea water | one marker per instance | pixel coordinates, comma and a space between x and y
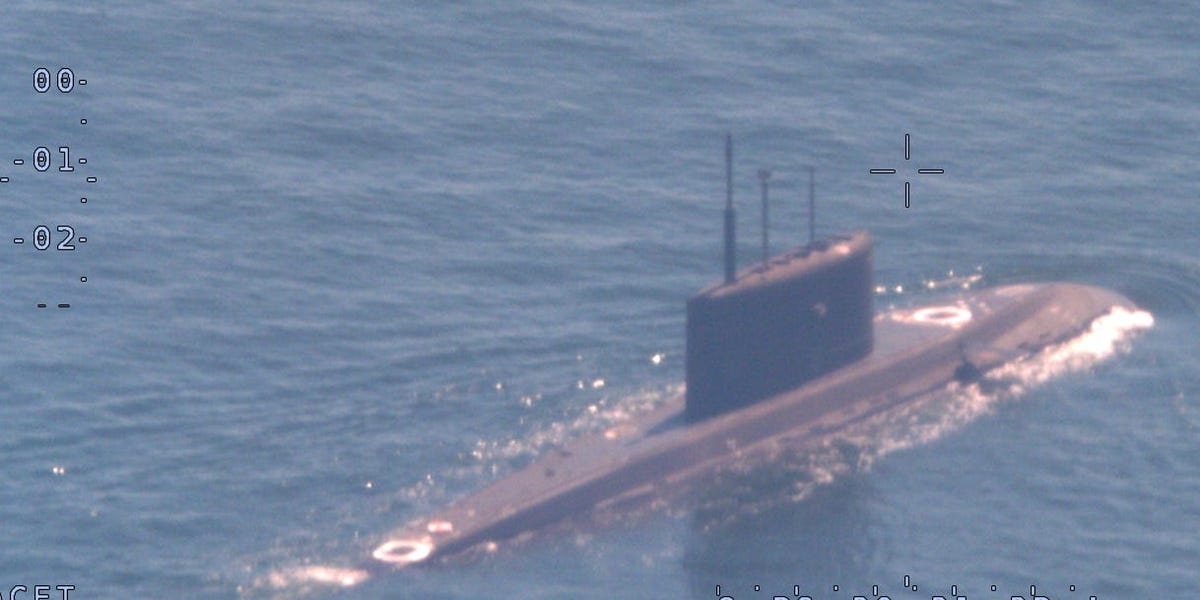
347, 262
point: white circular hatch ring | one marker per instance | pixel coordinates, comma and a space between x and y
403, 552
947, 316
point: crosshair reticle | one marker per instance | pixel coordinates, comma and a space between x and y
907, 156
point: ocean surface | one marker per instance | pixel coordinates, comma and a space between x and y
347, 262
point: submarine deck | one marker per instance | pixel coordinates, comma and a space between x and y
916, 350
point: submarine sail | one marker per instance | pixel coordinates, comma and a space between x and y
780, 325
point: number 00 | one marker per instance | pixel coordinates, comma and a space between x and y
65, 80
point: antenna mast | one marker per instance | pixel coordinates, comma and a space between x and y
763, 176
812, 205
730, 241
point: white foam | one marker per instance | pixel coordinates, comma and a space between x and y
957, 405
1107, 335
343, 577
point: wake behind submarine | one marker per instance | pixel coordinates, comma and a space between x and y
785, 351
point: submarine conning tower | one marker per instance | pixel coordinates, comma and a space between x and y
782, 322
775, 326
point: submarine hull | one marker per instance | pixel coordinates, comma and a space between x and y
915, 351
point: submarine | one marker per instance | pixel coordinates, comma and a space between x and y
787, 352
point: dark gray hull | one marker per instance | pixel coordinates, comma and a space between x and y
915, 351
